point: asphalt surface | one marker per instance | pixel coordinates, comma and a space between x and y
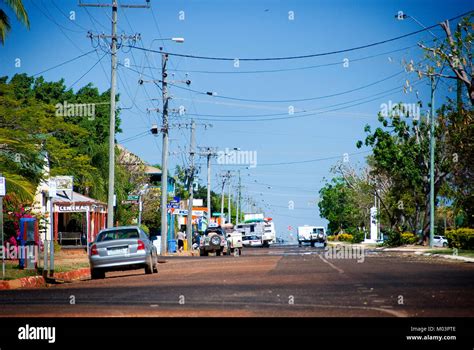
276, 281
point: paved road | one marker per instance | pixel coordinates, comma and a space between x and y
279, 281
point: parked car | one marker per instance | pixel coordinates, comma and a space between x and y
122, 248
252, 241
213, 241
440, 241
234, 240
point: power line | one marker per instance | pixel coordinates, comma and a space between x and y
286, 113
83, 75
73, 21
312, 160
303, 56
293, 116
295, 100
292, 69
63, 63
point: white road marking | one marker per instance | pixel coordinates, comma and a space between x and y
332, 265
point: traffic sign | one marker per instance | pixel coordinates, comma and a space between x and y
132, 198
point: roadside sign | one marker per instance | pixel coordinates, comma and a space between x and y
132, 198
216, 214
3, 190
172, 206
63, 184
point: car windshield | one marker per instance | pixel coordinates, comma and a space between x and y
117, 234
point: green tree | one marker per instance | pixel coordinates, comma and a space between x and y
339, 207
401, 155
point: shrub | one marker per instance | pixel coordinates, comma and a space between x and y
462, 238
358, 236
408, 238
331, 238
345, 237
394, 238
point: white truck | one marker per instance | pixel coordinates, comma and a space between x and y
257, 232
313, 235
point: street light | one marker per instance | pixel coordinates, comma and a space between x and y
165, 142
401, 16
178, 40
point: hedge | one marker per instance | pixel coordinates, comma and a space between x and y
462, 238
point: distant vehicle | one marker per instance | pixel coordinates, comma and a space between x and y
234, 240
261, 229
252, 241
122, 248
213, 241
440, 241
313, 235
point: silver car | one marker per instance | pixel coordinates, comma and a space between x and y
122, 248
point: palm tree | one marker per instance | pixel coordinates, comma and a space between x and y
17, 7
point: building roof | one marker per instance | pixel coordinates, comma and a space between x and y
152, 170
61, 197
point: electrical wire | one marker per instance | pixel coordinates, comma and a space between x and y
320, 54
65, 62
292, 69
295, 100
83, 75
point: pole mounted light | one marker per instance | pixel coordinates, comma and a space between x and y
401, 16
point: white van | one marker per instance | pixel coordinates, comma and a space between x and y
313, 235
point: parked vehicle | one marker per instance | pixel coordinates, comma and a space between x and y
213, 241
122, 248
251, 241
312, 234
440, 241
263, 228
234, 240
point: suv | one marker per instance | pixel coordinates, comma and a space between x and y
213, 241
234, 240
312, 234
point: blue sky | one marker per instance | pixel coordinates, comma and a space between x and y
245, 29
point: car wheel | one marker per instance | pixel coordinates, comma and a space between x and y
149, 266
445, 244
97, 274
218, 252
202, 252
299, 243
312, 244
240, 251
